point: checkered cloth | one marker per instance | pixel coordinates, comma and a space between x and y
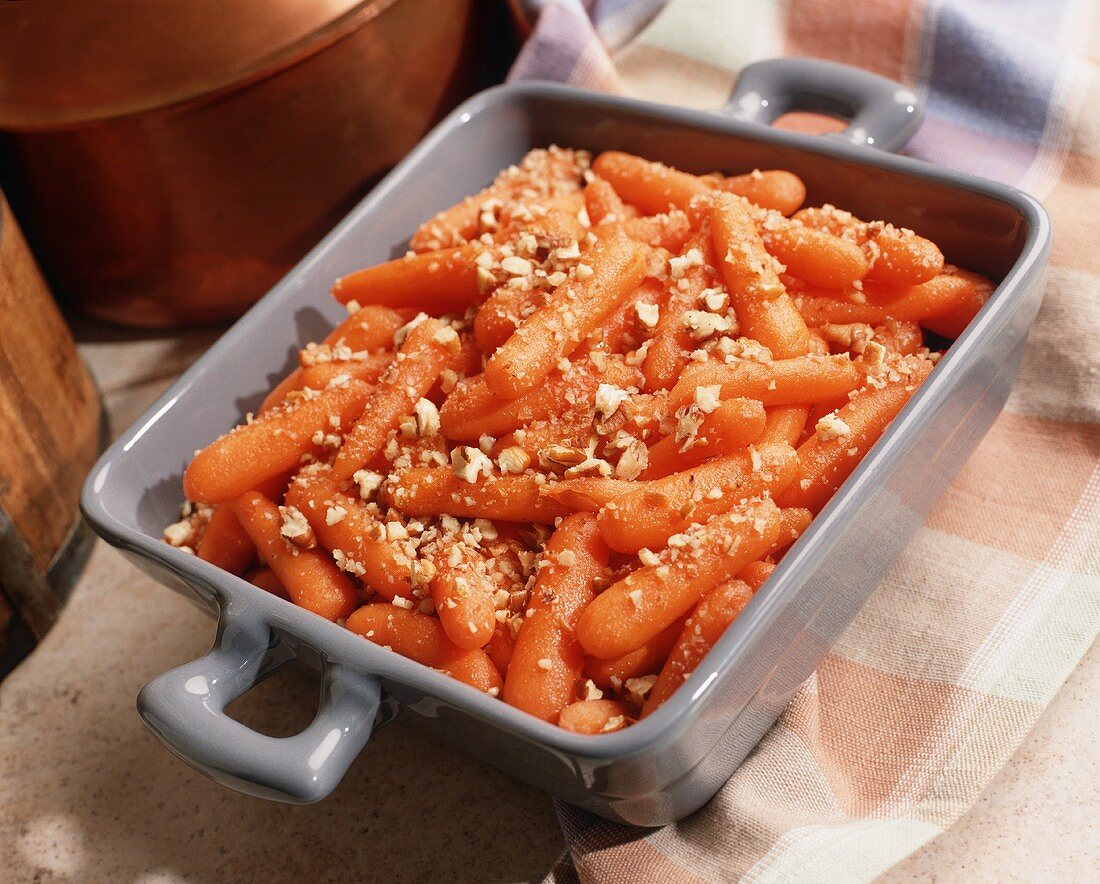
997, 598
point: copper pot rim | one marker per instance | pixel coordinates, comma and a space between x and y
264, 67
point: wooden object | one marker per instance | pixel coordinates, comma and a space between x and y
49, 435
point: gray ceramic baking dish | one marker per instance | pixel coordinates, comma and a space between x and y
669, 764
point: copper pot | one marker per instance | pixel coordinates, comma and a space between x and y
185, 155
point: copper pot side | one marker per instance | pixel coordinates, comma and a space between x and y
189, 213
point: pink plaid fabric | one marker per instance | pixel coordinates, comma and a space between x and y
997, 598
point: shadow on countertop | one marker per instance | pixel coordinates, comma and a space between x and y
90, 795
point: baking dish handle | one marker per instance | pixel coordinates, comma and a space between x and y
880, 112
185, 708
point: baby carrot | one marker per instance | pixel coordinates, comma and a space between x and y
620, 329
501, 313
473, 410
547, 660
429, 491
668, 230
446, 280
756, 573
421, 638
455, 224
651, 187
463, 596
225, 543
350, 531
648, 516
634, 610
311, 578
602, 203
951, 294
903, 338
671, 345
732, 425
793, 521
813, 255
595, 716
319, 376
765, 310
428, 349
898, 256
951, 323
718, 609
585, 493
266, 580
795, 381
826, 460
784, 423
770, 189
368, 329
644, 660
500, 648
273, 443
613, 268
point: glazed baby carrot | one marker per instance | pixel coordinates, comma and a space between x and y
311, 578
500, 314
266, 580
456, 224
718, 609
368, 329
355, 536
828, 457
756, 573
500, 648
594, 716
421, 638
427, 491
673, 340
651, 187
801, 379
622, 329
734, 424
668, 230
602, 203
792, 522
272, 444
225, 543
974, 291
951, 294
648, 516
770, 189
765, 310
547, 661
585, 494
897, 256
903, 338
634, 610
463, 596
446, 279
571, 430
428, 349
473, 410
644, 660
813, 255
784, 423
611, 271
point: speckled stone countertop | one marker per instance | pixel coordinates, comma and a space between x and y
87, 794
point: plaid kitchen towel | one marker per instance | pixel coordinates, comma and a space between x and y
997, 598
